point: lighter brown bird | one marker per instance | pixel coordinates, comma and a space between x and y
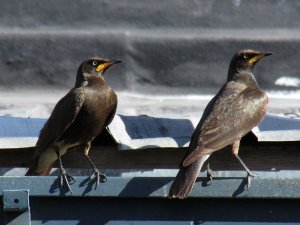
239, 106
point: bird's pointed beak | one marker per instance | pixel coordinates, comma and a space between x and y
115, 62
266, 53
259, 56
104, 66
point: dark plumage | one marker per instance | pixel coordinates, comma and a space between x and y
238, 107
76, 119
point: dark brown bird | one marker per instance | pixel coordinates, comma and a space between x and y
76, 119
239, 106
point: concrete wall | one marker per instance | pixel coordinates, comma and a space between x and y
167, 46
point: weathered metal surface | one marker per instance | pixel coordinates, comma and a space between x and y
19, 132
276, 129
139, 132
15, 200
149, 211
265, 156
142, 201
141, 187
16, 210
20, 127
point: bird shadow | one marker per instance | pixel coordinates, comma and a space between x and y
89, 183
141, 186
56, 187
206, 182
242, 188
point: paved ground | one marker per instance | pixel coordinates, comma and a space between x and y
39, 103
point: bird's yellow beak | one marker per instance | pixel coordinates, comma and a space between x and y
103, 66
259, 56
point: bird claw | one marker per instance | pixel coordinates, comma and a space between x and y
65, 178
98, 175
209, 176
249, 178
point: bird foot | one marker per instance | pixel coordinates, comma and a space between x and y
249, 179
98, 175
65, 178
209, 176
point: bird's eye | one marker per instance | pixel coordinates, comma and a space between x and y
246, 56
94, 63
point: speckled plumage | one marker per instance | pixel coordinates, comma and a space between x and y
233, 112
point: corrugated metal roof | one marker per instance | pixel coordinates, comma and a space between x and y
135, 132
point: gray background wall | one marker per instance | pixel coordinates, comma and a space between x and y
169, 46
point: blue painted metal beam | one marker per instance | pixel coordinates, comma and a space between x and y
16, 208
141, 187
158, 211
142, 201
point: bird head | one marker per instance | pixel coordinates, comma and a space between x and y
245, 60
94, 66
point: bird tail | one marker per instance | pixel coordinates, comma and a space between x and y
33, 169
186, 178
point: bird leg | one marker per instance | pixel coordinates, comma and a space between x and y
64, 176
209, 173
235, 151
96, 172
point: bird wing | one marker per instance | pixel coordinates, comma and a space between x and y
111, 114
62, 116
234, 113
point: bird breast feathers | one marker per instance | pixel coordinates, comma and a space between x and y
235, 113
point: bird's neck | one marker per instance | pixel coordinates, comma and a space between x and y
232, 71
235, 69
246, 78
84, 79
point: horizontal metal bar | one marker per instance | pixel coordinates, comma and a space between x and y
281, 156
141, 187
162, 211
